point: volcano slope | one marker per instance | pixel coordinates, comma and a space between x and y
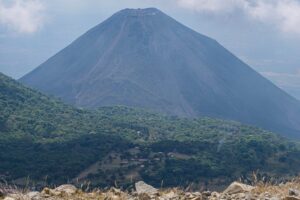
144, 58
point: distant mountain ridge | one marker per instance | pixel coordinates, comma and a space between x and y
144, 58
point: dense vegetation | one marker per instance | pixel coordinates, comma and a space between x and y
46, 140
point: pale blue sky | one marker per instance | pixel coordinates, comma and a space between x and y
264, 33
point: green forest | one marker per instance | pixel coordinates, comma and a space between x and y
47, 141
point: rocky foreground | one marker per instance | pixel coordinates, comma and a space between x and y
236, 191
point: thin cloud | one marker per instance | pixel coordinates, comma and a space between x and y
284, 14
23, 16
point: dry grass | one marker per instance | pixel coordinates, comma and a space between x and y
280, 190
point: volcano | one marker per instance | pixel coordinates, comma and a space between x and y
144, 58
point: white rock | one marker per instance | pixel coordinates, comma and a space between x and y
68, 189
274, 198
215, 194
9, 198
236, 187
143, 188
294, 192
33, 195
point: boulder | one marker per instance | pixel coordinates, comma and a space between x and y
294, 192
33, 195
67, 189
236, 187
63, 190
143, 188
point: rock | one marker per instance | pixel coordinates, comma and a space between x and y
274, 198
188, 195
67, 189
241, 195
46, 191
9, 198
236, 187
267, 195
63, 190
113, 197
193, 196
206, 193
215, 194
197, 194
116, 191
143, 188
294, 192
250, 196
170, 195
15, 196
33, 195
196, 198
291, 198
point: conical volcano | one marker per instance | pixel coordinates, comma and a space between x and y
144, 58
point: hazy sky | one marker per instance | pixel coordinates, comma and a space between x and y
263, 33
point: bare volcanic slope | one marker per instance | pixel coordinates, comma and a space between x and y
144, 58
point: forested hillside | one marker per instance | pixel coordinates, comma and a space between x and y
48, 141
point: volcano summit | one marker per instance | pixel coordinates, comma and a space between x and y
144, 58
